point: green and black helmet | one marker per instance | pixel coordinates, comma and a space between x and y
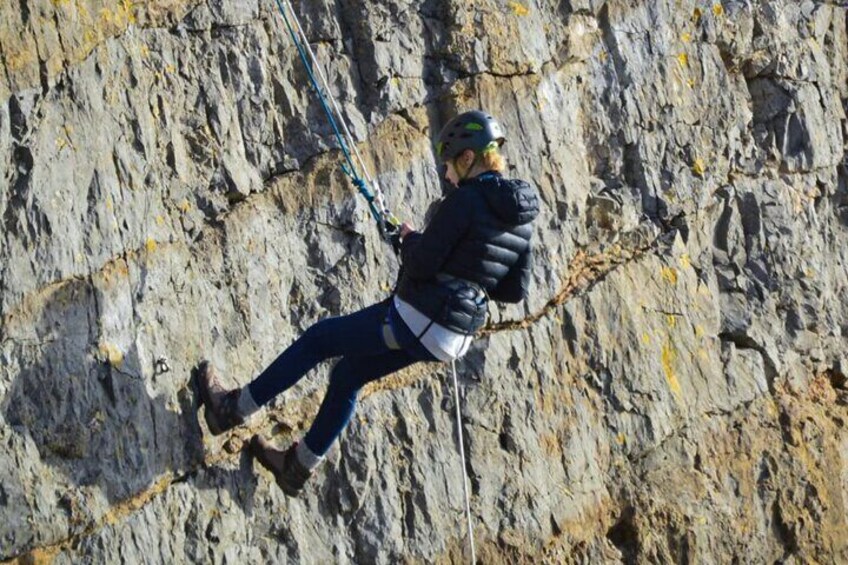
475, 130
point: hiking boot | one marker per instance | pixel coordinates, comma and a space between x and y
221, 410
289, 472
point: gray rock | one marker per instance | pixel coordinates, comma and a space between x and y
171, 191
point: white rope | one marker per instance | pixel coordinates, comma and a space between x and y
378, 193
462, 456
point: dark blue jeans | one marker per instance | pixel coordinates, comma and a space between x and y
356, 338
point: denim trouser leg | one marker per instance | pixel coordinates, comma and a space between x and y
358, 339
347, 378
355, 334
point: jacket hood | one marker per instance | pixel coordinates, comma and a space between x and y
512, 200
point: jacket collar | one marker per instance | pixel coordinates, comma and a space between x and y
488, 175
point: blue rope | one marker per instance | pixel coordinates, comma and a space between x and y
349, 169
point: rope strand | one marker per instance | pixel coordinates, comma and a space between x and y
375, 199
351, 142
462, 457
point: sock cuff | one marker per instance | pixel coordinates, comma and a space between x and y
246, 404
306, 456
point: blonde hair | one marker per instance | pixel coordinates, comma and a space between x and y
492, 160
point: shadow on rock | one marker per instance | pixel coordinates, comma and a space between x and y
91, 414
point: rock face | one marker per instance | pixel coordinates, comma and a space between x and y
673, 391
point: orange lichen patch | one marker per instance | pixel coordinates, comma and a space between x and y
40, 556
551, 401
401, 379
150, 245
686, 37
671, 320
113, 271
685, 261
683, 59
718, 10
821, 390
583, 271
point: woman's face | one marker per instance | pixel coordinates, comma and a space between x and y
450, 173
465, 160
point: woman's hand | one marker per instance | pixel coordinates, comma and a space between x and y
405, 230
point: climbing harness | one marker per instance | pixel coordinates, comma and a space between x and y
387, 223
462, 457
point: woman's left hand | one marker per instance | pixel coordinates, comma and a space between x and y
405, 230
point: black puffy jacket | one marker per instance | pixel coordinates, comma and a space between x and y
480, 234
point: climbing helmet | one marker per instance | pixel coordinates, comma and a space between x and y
475, 130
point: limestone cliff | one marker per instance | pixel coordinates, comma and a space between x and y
673, 392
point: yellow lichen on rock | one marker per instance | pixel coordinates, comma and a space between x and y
668, 358
519, 9
669, 274
699, 167
110, 353
696, 15
66, 32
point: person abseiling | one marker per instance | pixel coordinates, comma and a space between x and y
476, 247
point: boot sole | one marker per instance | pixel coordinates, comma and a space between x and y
206, 401
258, 452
